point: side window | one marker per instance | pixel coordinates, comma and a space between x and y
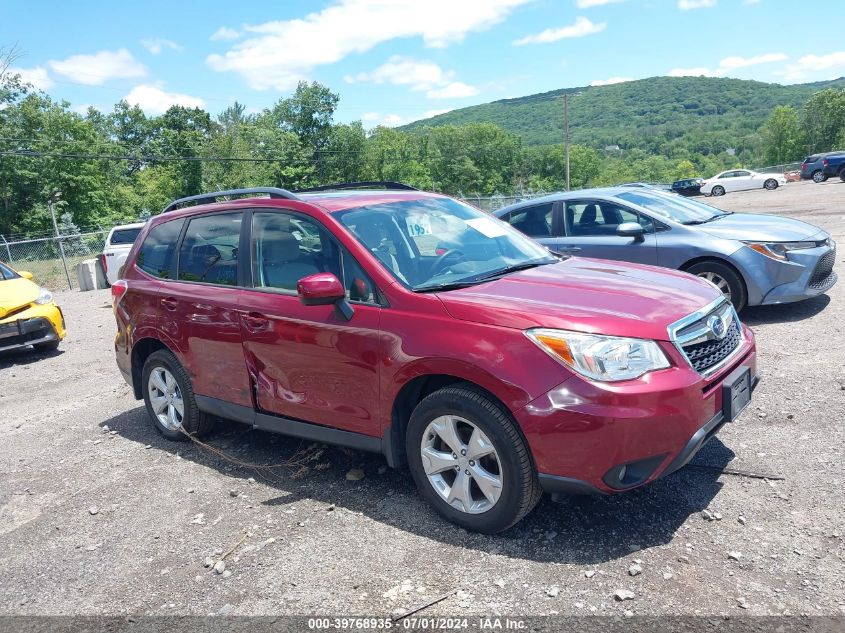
742, 174
288, 247
594, 218
157, 255
533, 221
209, 252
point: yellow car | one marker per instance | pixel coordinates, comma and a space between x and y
28, 314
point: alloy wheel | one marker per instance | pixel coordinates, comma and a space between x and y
166, 398
818, 176
720, 282
461, 464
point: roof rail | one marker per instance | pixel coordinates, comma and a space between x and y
386, 184
207, 198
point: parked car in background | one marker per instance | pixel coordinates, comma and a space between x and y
753, 259
740, 180
834, 165
28, 314
117, 246
413, 325
813, 166
688, 186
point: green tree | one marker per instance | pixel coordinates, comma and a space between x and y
824, 119
782, 136
307, 113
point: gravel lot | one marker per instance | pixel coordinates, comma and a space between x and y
100, 515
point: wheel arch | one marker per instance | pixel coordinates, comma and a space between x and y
720, 260
140, 353
409, 396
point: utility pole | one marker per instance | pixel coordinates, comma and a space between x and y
566, 133
52, 200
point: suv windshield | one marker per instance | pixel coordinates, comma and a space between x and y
440, 243
676, 208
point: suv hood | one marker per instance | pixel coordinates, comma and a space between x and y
585, 295
760, 228
16, 293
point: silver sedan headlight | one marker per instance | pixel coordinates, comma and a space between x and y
778, 250
604, 358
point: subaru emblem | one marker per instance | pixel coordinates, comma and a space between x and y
717, 326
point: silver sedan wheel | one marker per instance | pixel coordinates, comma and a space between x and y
461, 464
720, 282
166, 398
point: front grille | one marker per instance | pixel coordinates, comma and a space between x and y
823, 271
708, 354
709, 337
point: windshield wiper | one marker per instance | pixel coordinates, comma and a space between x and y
512, 269
710, 219
454, 285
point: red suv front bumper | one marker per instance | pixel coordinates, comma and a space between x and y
589, 437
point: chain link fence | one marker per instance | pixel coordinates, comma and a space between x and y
497, 201
53, 260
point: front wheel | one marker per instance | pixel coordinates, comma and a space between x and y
170, 398
842, 175
718, 190
819, 176
469, 460
725, 278
771, 184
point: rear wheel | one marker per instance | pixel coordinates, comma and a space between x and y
718, 190
170, 398
842, 175
819, 176
771, 184
725, 278
469, 460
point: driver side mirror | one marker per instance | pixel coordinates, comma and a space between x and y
25, 274
631, 229
323, 289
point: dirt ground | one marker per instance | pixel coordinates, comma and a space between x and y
100, 515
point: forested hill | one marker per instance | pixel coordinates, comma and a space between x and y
701, 114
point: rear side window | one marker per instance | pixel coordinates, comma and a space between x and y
124, 236
157, 254
534, 221
209, 252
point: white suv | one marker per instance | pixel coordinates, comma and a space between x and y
117, 247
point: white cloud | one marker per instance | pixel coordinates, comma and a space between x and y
278, 54
612, 80
154, 100
586, 4
454, 90
813, 64
156, 45
377, 118
97, 69
728, 64
404, 71
419, 76
36, 76
224, 33
581, 27
686, 5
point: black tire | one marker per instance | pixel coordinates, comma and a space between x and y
520, 490
739, 294
47, 346
718, 190
842, 175
194, 422
819, 176
771, 184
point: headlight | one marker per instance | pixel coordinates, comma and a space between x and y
44, 296
778, 250
605, 358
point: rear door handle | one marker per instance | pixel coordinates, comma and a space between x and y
255, 321
169, 303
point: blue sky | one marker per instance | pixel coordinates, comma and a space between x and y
394, 61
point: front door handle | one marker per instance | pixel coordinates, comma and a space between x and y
169, 303
255, 321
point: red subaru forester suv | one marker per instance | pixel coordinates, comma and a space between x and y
407, 323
